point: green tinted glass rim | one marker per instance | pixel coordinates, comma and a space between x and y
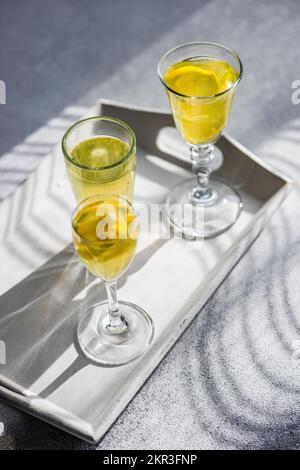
214, 44
123, 124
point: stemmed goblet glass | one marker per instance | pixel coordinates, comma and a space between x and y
200, 79
105, 234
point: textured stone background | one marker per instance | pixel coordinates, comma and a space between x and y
232, 381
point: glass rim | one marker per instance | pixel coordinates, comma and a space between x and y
201, 43
98, 118
97, 196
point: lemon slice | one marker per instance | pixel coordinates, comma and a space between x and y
193, 79
87, 229
106, 221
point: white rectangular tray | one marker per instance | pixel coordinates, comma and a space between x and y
44, 288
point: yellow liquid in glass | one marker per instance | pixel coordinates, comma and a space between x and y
102, 170
108, 256
200, 119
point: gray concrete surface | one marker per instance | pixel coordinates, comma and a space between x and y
231, 382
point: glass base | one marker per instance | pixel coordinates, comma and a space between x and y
204, 217
108, 349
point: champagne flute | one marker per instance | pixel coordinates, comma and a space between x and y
100, 156
200, 79
105, 234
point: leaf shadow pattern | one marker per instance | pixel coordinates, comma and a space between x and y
241, 381
47, 340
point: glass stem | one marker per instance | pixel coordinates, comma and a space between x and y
116, 323
202, 156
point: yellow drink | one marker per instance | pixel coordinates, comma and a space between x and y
105, 237
200, 119
101, 165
